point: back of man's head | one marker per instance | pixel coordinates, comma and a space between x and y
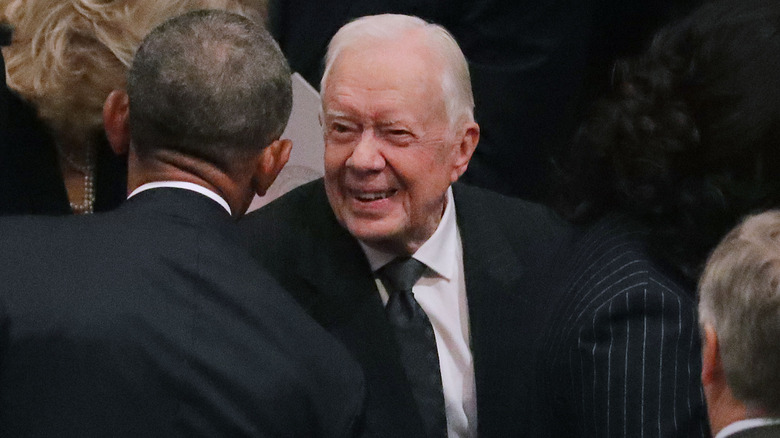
740, 299
208, 84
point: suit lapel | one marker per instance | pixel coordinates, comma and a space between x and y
348, 305
494, 284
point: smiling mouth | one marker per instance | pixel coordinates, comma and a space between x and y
374, 196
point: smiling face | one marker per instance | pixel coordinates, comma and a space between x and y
390, 151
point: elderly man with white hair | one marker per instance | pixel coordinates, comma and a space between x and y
454, 358
441, 291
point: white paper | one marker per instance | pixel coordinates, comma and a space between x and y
306, 159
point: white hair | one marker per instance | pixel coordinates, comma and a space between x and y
455, 79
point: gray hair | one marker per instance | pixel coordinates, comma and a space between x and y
455, 80
739, 296
209, 84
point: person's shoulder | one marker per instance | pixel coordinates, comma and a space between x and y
500, 205
611, 258
108, 232
290, 225
614, 236
514, 216
29, 229
296, 205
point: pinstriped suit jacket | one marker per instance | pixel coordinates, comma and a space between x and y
624, 344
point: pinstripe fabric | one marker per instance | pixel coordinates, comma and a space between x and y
623, 343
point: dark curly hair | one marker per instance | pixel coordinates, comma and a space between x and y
688, 139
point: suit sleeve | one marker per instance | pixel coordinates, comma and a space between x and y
635, 364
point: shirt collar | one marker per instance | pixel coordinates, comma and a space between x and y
435, 252
746, 424
183, 185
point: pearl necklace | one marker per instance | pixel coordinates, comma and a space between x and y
88, 170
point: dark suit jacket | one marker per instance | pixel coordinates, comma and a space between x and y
623, 351
152, 320
30, 177
509, 247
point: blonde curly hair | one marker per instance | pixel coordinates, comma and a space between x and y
67, 55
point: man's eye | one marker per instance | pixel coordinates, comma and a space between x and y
339, 128
341, 132
399, 132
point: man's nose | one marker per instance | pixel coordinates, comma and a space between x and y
367, 155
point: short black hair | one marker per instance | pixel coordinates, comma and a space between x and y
210, 84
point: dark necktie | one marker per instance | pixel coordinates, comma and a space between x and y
416, 341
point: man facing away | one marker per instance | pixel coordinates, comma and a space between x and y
152, 320
739, 314
441, 291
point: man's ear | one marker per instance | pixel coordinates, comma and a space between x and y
722, 407
711, 366
269, 163
465, 149
116, 115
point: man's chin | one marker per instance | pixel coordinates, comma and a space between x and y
375, 235
371, 237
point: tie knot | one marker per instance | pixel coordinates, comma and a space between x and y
402, 273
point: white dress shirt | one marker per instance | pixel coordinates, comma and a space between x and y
750, 423
183, 185
441, 292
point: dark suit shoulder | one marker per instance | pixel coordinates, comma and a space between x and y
613, 251
297, 237
536, 234
284, 231
295, 212
622, 342
609, 265
511, 211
